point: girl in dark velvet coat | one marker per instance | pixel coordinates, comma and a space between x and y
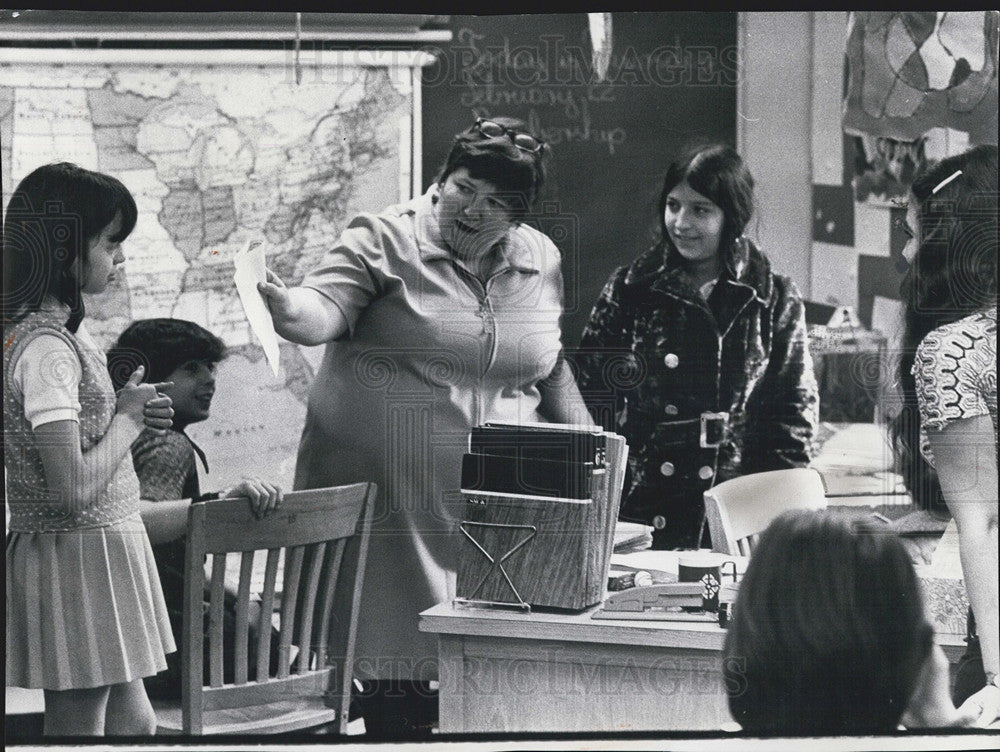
697, 353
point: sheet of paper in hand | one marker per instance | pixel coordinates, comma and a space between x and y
250, 270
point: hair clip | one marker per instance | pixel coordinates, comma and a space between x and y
945, 182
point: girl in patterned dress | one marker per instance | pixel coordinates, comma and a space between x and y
948, 375
86, 619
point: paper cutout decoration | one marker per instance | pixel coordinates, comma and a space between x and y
600, 40
885, 167
914, 71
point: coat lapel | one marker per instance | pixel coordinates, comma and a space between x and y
752, 283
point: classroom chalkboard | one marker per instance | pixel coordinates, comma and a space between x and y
670, 83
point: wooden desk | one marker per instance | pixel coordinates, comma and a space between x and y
504, 671
507, 671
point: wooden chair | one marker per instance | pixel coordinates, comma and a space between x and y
739, 509
323, 534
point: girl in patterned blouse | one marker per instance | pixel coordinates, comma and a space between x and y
86, 620
948, 374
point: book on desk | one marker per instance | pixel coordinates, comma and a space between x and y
541, 502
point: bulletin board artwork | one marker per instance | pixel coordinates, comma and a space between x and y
216, 153
914, 71
884, 167
670, 83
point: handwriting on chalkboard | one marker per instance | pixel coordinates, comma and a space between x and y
574, 125
558, 105
580, 131
555, 82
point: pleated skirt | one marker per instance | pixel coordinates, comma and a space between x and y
84, 608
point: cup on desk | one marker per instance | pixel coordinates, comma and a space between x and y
707, 570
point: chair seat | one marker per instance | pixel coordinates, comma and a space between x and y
270, 718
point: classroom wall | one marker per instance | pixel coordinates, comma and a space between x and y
850, 256
792, 80
773, 126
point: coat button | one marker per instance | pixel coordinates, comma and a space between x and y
667, 469
705, 472
670, 409
671, 360
659, 522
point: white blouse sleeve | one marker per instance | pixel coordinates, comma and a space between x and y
48, 374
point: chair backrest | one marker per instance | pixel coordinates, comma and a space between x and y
739, 509
321, 538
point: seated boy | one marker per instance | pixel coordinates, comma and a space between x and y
184, 355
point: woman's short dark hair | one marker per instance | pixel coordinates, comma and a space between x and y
953, 275
52, 216
828, 634
717, 172
497, 160
161, 346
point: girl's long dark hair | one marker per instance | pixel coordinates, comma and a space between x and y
718, 173
52, 217
953, 275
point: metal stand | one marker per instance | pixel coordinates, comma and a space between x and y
496, 565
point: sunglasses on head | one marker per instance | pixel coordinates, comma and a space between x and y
520, 139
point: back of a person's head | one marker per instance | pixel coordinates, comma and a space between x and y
161, 346
978, 167
954, 270
828, 634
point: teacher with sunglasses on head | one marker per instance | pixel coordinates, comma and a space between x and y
438, 314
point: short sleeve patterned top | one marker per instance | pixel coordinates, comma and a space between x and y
956, 374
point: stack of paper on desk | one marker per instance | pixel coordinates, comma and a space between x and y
632, 536
856, 460
541, 503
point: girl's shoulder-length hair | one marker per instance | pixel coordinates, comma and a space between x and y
53, 215
717, 172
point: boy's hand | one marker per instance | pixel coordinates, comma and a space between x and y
264, 497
